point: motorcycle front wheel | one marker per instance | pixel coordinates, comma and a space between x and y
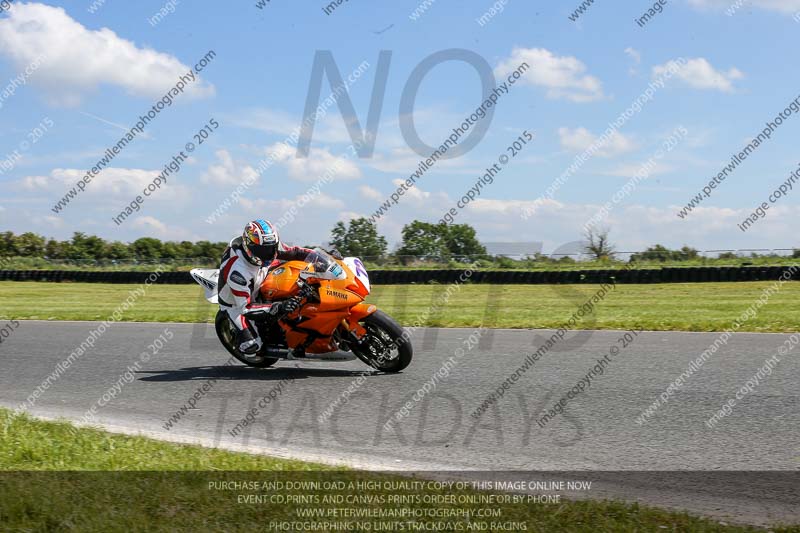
385, 347
226, 334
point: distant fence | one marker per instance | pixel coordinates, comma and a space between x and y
404, 277
511, 251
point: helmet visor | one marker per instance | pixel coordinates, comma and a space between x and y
264, 252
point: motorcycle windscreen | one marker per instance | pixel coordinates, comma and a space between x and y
322, 266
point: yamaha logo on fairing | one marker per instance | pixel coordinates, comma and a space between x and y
337, 294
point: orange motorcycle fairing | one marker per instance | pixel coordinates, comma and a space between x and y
341, 305
357, 314
281, 282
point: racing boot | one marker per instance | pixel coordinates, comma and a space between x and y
248, 344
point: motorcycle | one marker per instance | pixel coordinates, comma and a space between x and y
332, 321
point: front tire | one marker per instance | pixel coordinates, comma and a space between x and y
226, 333
384, 337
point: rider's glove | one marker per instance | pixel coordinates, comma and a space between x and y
336, 254
281, 309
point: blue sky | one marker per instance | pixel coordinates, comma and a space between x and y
102, 70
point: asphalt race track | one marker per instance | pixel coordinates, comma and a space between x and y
666, 461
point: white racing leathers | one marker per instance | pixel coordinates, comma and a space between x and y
240, 280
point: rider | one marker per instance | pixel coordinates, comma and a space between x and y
245, 264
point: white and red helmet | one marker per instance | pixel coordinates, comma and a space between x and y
260, 242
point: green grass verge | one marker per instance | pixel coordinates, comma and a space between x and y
29, 444
157, 486
663, 307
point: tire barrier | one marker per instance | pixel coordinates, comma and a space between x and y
444, 277
78, 276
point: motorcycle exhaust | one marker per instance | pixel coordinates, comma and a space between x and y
283, 353
332, 356
280, 353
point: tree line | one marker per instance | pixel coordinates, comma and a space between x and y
358, 238
82, 247
420, 241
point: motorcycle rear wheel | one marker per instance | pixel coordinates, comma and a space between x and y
225, 333
384, 336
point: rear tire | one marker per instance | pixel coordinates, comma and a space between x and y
225, 333
380, 329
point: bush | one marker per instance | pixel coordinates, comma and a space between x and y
505, 262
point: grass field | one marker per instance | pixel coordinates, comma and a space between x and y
156, 486
667, 307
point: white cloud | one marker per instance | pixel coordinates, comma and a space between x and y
698, 73
404, 161
347, 216
150, 226
497, 220
324, 201
562, 76
579, 139
634, 54
368, 192
633, 226
392, 155
637, 59
33, 183
276, 207
150, 223
415, 193
112, 181
781, 6
512, 207
228, 172
77, 59
317, 164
